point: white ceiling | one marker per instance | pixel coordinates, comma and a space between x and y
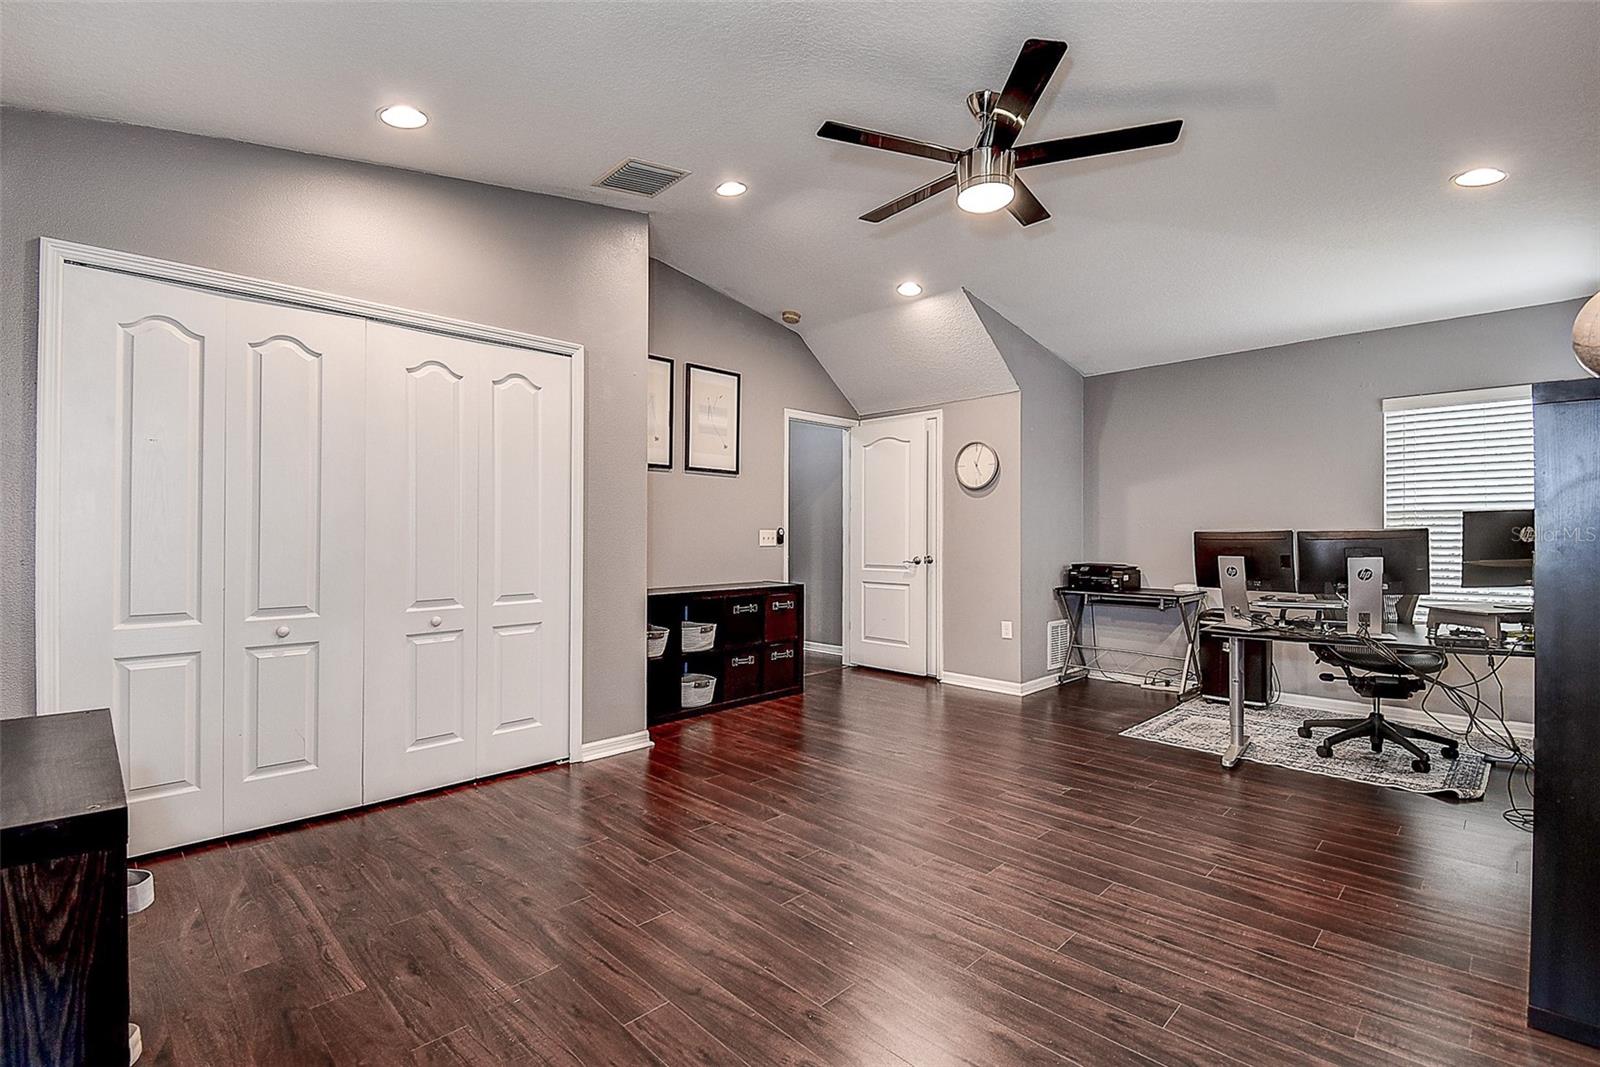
919, 353
1308, 196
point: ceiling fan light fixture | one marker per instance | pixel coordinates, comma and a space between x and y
985, 180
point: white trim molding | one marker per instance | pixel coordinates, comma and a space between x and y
614, 746
56, 255
824, 649
996, 685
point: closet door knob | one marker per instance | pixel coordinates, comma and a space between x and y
283, 631
435, 621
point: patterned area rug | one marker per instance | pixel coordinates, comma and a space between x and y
1202, 725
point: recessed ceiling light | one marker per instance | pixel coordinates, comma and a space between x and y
1478, 177
403, 117
908, 289
732, 189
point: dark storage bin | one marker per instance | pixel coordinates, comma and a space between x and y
781, 669
742, 620
742, 642
741, 676
783, 617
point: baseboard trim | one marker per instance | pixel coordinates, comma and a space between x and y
615, 746
997, 685
826, 650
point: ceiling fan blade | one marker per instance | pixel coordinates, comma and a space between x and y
1029, 75
911, 199
1025, 206
838, 131
1098, 144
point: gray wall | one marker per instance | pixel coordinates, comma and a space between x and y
703, 527
1287, 437
816, 525
1052, 477
517, 260
982, 561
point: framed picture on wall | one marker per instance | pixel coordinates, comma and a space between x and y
712, 435
658, 420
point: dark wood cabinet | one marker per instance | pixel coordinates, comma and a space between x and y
1564, 966
63, 892
756, 654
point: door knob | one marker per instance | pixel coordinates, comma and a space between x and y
283, 631
435, 621
912, 562
928, 560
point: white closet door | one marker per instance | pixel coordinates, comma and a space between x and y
292, 714
421, 561
889, 543
524, 536
140, 539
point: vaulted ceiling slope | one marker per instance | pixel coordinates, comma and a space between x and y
1307, 197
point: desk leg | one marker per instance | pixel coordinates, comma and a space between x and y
1238, 741
1191, 648
1070, 671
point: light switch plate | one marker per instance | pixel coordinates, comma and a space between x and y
768, 539
1005, 629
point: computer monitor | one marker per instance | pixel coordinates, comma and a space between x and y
1496, 548
1268, 557
1322, 554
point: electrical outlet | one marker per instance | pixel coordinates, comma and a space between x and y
768, 539
1005, 629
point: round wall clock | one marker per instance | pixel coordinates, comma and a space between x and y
977, 466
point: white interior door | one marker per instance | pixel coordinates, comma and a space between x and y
140, 537
890, 541
421, 561
524, 541
292, 714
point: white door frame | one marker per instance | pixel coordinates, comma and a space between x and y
54, 257
936, 534
790, 416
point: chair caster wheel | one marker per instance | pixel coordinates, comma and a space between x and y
1377, 744
1303, 731
1449, 753
1420, 766
1325, 751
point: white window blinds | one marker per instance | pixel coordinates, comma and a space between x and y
1452, 452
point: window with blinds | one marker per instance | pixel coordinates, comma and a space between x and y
1452, 452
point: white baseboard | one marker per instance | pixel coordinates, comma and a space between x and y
615, 746
996, 685
826, 650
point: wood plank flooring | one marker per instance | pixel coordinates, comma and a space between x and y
880, 872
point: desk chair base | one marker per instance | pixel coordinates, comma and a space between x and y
1378, 730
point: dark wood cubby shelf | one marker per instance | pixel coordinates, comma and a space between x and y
758, 652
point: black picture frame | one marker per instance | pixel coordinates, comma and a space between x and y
689, 374
672, 411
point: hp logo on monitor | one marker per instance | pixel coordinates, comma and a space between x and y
1233, 572
1365, 574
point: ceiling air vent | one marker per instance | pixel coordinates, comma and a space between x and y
637, 176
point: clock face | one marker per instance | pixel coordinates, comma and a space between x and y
977, 466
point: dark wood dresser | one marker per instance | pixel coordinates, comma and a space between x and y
63, 892
757, 653
1564, 968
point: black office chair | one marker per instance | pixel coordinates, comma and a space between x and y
1381, 677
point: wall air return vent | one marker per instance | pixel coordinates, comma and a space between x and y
641, 178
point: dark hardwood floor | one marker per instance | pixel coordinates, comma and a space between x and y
881, 872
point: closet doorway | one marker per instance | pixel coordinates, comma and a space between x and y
816, 501
311, 552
